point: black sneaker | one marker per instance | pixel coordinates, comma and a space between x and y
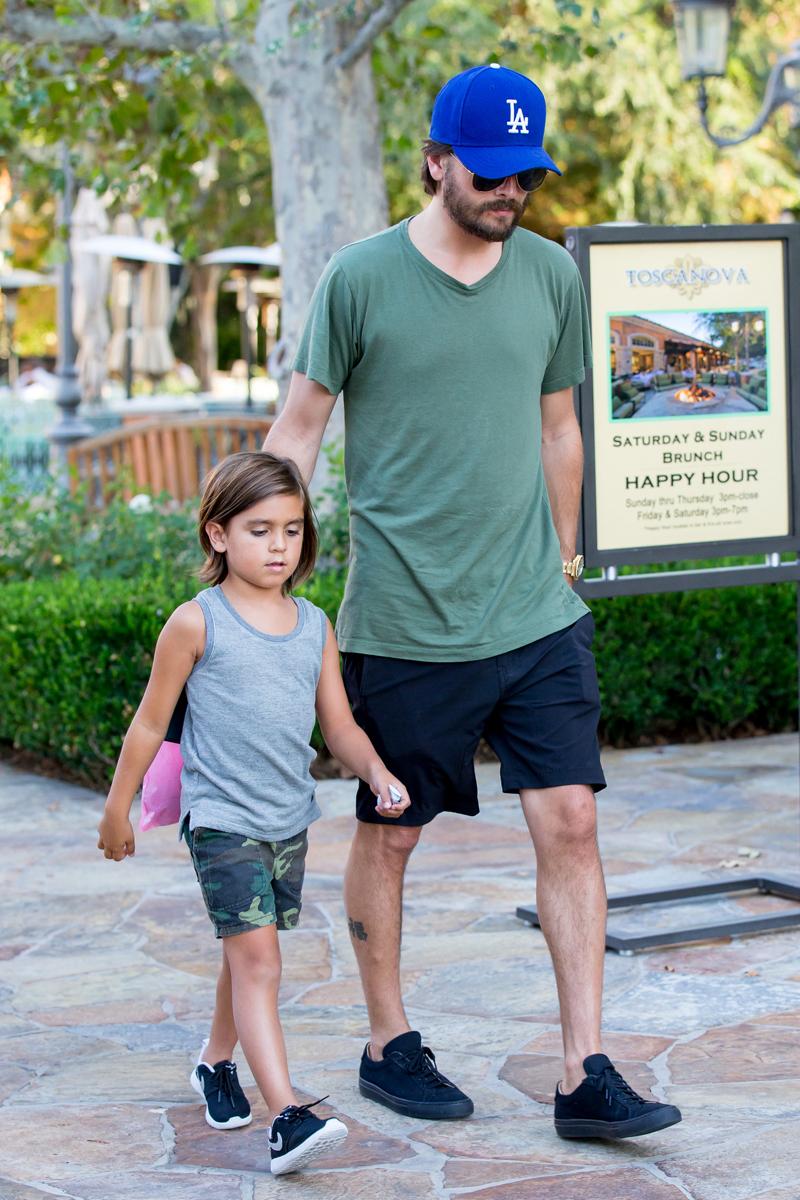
407, 1081
227, 1107
605, 1106
296, 1136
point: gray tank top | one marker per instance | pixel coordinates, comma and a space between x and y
250, 714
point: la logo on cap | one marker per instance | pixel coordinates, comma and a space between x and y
517, 121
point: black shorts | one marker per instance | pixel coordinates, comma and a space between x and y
537, 707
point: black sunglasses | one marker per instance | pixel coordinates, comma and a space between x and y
528, 180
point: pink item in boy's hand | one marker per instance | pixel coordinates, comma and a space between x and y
161, 788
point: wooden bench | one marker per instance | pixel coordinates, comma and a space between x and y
173, 455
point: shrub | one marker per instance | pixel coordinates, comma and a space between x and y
50, 533
75, 656
76, 643
691, 665
333, 513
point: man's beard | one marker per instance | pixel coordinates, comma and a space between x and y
469, 217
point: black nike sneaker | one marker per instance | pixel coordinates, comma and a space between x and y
227, 1107
297, 1136
605, 1106
407, 1080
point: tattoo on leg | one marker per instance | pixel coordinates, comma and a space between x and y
357, 930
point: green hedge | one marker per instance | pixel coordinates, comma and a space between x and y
693, 665
75, 656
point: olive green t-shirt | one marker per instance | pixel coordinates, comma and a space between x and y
453, 551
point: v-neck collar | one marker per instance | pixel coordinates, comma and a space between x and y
450, 281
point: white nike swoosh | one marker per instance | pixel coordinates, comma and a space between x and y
276, 1145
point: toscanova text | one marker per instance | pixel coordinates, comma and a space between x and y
675, 277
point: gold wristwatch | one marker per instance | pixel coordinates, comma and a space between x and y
574, 567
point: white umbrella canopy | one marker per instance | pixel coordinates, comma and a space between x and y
14, 278
244, 256
91, 279
152, 352
133, 247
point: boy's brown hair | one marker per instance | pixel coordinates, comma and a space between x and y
239, 482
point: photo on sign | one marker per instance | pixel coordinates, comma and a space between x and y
679, 364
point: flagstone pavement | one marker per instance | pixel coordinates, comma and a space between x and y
107, 979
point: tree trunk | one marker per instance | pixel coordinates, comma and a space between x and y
327, 174
205, 286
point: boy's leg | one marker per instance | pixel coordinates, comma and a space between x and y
254, 960
223, 1036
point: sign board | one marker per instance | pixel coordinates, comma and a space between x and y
687, 414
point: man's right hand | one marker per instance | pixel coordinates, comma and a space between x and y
115, 836
298, 430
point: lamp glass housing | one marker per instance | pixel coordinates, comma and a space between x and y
702, 27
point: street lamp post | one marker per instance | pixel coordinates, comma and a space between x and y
703, 28
70, 427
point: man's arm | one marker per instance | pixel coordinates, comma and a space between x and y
562, 459
297, 432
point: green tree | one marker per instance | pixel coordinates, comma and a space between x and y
619, 119
292, 116
179, 106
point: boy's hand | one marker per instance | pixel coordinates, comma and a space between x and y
115, 836
393, 799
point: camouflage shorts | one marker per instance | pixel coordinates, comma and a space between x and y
247, 883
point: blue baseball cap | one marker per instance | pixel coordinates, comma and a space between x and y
494, 119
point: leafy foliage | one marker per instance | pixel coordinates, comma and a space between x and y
83, 596
75, 658
158, 133
181, 136
75, 655
620, 119
333, 512
49, 533
696, 665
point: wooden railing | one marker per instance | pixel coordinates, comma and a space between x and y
173, 455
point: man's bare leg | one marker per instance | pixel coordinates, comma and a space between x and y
373, 893
571, 902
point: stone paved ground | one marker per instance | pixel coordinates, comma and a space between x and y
107, 981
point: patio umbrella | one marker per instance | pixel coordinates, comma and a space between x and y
121, 282
91, 278
12, 281
244, 262
130, 253
152, 352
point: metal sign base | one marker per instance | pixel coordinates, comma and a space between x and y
628, 944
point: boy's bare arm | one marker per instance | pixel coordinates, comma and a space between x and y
178, 648
298, 430
347, 742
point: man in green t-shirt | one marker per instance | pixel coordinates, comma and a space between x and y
456, 339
